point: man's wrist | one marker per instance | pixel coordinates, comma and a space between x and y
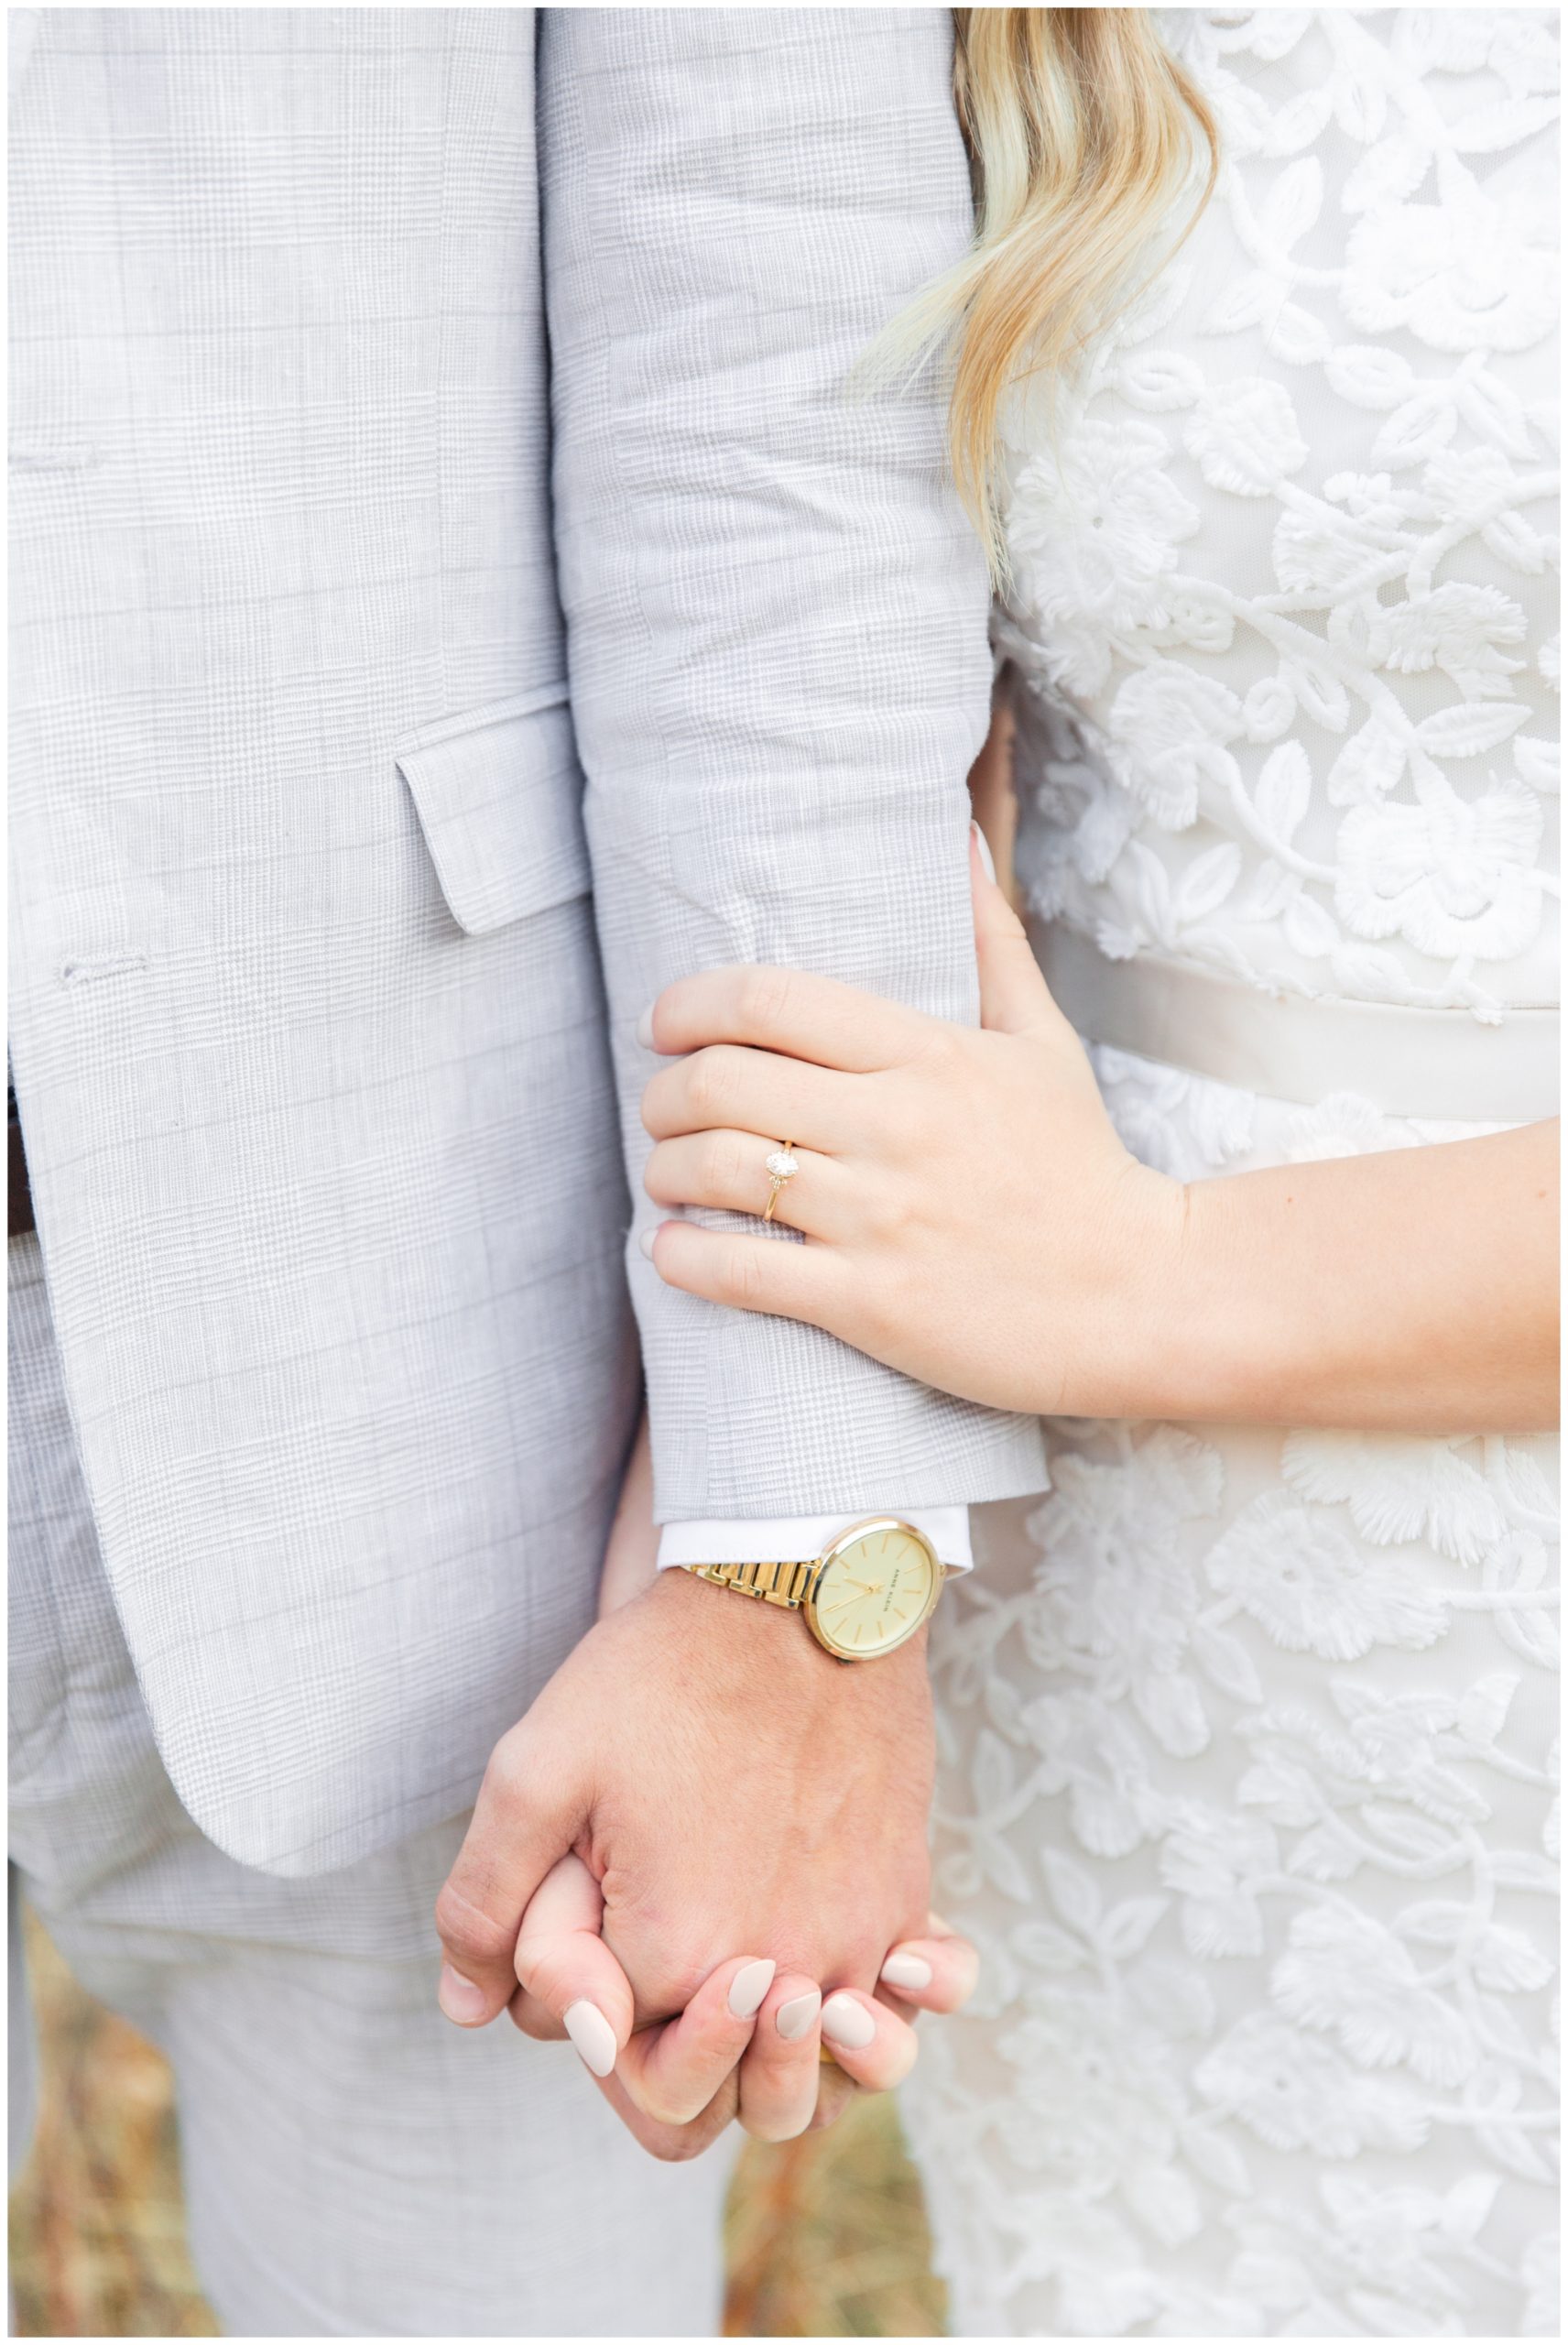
722, 1622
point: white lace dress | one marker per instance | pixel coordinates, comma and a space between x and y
1247, 1767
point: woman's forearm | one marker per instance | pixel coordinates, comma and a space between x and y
1413, 1291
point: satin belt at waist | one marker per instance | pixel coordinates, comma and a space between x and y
1433, 1064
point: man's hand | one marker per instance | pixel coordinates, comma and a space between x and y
726, 1784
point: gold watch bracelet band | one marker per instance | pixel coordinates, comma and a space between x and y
784, 1583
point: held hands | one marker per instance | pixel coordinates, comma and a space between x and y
971, 1215
698, 1776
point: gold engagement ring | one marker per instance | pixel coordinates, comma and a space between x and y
781, 1167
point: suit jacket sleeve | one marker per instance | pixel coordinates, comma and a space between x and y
777, 620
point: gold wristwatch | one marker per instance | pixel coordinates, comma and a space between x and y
868, 1590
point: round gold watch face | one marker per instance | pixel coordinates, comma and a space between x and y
877, 1584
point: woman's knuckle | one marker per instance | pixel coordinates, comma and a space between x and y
764, 998
724, 1168
889, 1212
673, 1009
710, 1083
742, 1277
941, 1051
540, 1969
675, 2143
531, 2018
654, 1105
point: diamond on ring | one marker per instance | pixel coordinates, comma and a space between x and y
781, 1166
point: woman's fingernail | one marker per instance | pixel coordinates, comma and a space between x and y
748, 1986
906, 1970
798, 2016
986, 858
847, 2023
459, 1997
645, 1239
644, 1028
592, 2034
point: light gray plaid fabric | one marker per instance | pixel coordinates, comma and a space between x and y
308, 1019
777, 616
354, 2165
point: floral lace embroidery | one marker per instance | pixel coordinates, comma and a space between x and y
1247, 1739
1247, 1794
1283, 592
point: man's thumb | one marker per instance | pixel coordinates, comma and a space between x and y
526, 1818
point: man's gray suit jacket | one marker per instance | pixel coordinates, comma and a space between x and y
453, 595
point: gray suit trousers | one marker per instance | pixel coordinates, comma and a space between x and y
354, 2165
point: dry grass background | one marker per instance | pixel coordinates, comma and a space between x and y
826, 2236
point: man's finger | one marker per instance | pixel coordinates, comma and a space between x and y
672, 2073
788, 1010
569, 1982
529, 1814
770, 1275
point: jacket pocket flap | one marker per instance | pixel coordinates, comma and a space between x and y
499, 796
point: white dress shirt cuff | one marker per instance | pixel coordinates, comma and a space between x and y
771, 1539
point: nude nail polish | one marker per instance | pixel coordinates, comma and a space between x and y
847, 2023
798, 2016
592, 2034
906, 1970
748, 1986
644, 1029
645, 1239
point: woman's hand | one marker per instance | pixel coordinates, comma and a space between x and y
677, 2086
973, 1218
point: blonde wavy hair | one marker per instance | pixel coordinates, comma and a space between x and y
1082, 133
